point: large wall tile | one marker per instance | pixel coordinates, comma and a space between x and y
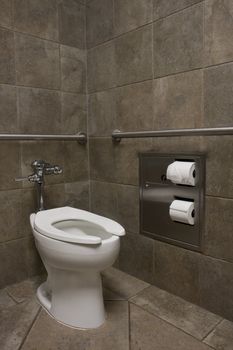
177, 270
39, 111
77, 194
134, 56
102, 113
6, 13
218, 90
218, 31
216, 284
71, 23
163, 8
101, 67
99, 21
8, 110
134, 107
73, 113
13, 267
136, 256
219, 174
104, 199
7, 61
178, 42
54, 196
178, 101
9, 164
75, 162
37, 62
219, 225
185, 145
73, 69
37, 17
129, 14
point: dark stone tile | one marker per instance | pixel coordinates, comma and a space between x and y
10, 165
104, 199
178, 101
37, 62
221, 337
26, 289
134, 56
147, 330
113, 334
75, 162
177, 46
188, 317
101, 65
74, 113
219, 175
99, 21
121, 283
33, 260
164, 8
71, 23
6, 13
13, 266
37, 18
10, 215
15, 322
5, 300
219, 224
216, 283
134, 107
28, 205
185, 145
8, 111
218, 92
177, 270
77, 195
109, 295
51, 152
39, 111
128, 207
7, 61
73, 69
102, 113
54, 196
136, 256
116, 162
129, 15
218, 31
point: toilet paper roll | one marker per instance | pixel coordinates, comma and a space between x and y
182, 211
182, 173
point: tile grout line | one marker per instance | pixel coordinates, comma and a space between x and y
29, 329
216, 325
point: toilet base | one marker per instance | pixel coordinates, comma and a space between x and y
74, 298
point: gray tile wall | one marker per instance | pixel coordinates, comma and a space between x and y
42, 90
158, 64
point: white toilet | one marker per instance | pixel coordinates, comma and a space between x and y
75, 246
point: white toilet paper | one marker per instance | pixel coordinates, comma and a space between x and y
182, 211
182, 173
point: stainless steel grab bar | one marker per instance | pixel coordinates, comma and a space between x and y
80, 137
117, 135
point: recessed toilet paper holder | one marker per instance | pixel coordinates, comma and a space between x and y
157, 193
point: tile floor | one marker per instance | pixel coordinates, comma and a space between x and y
140, 317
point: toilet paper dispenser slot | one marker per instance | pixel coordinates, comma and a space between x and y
172, 202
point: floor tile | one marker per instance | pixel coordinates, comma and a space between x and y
112, 335
151, 333
110, 295
26, 289
121, 283
5, 299
15, 322
222, 336
190, 318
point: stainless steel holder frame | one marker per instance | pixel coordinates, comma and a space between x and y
80, 137
117, 135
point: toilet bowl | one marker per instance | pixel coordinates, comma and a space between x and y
75, 246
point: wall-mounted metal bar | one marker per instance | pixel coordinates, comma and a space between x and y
80, 137
117, 135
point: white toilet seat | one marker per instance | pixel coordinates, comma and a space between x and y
46, 220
